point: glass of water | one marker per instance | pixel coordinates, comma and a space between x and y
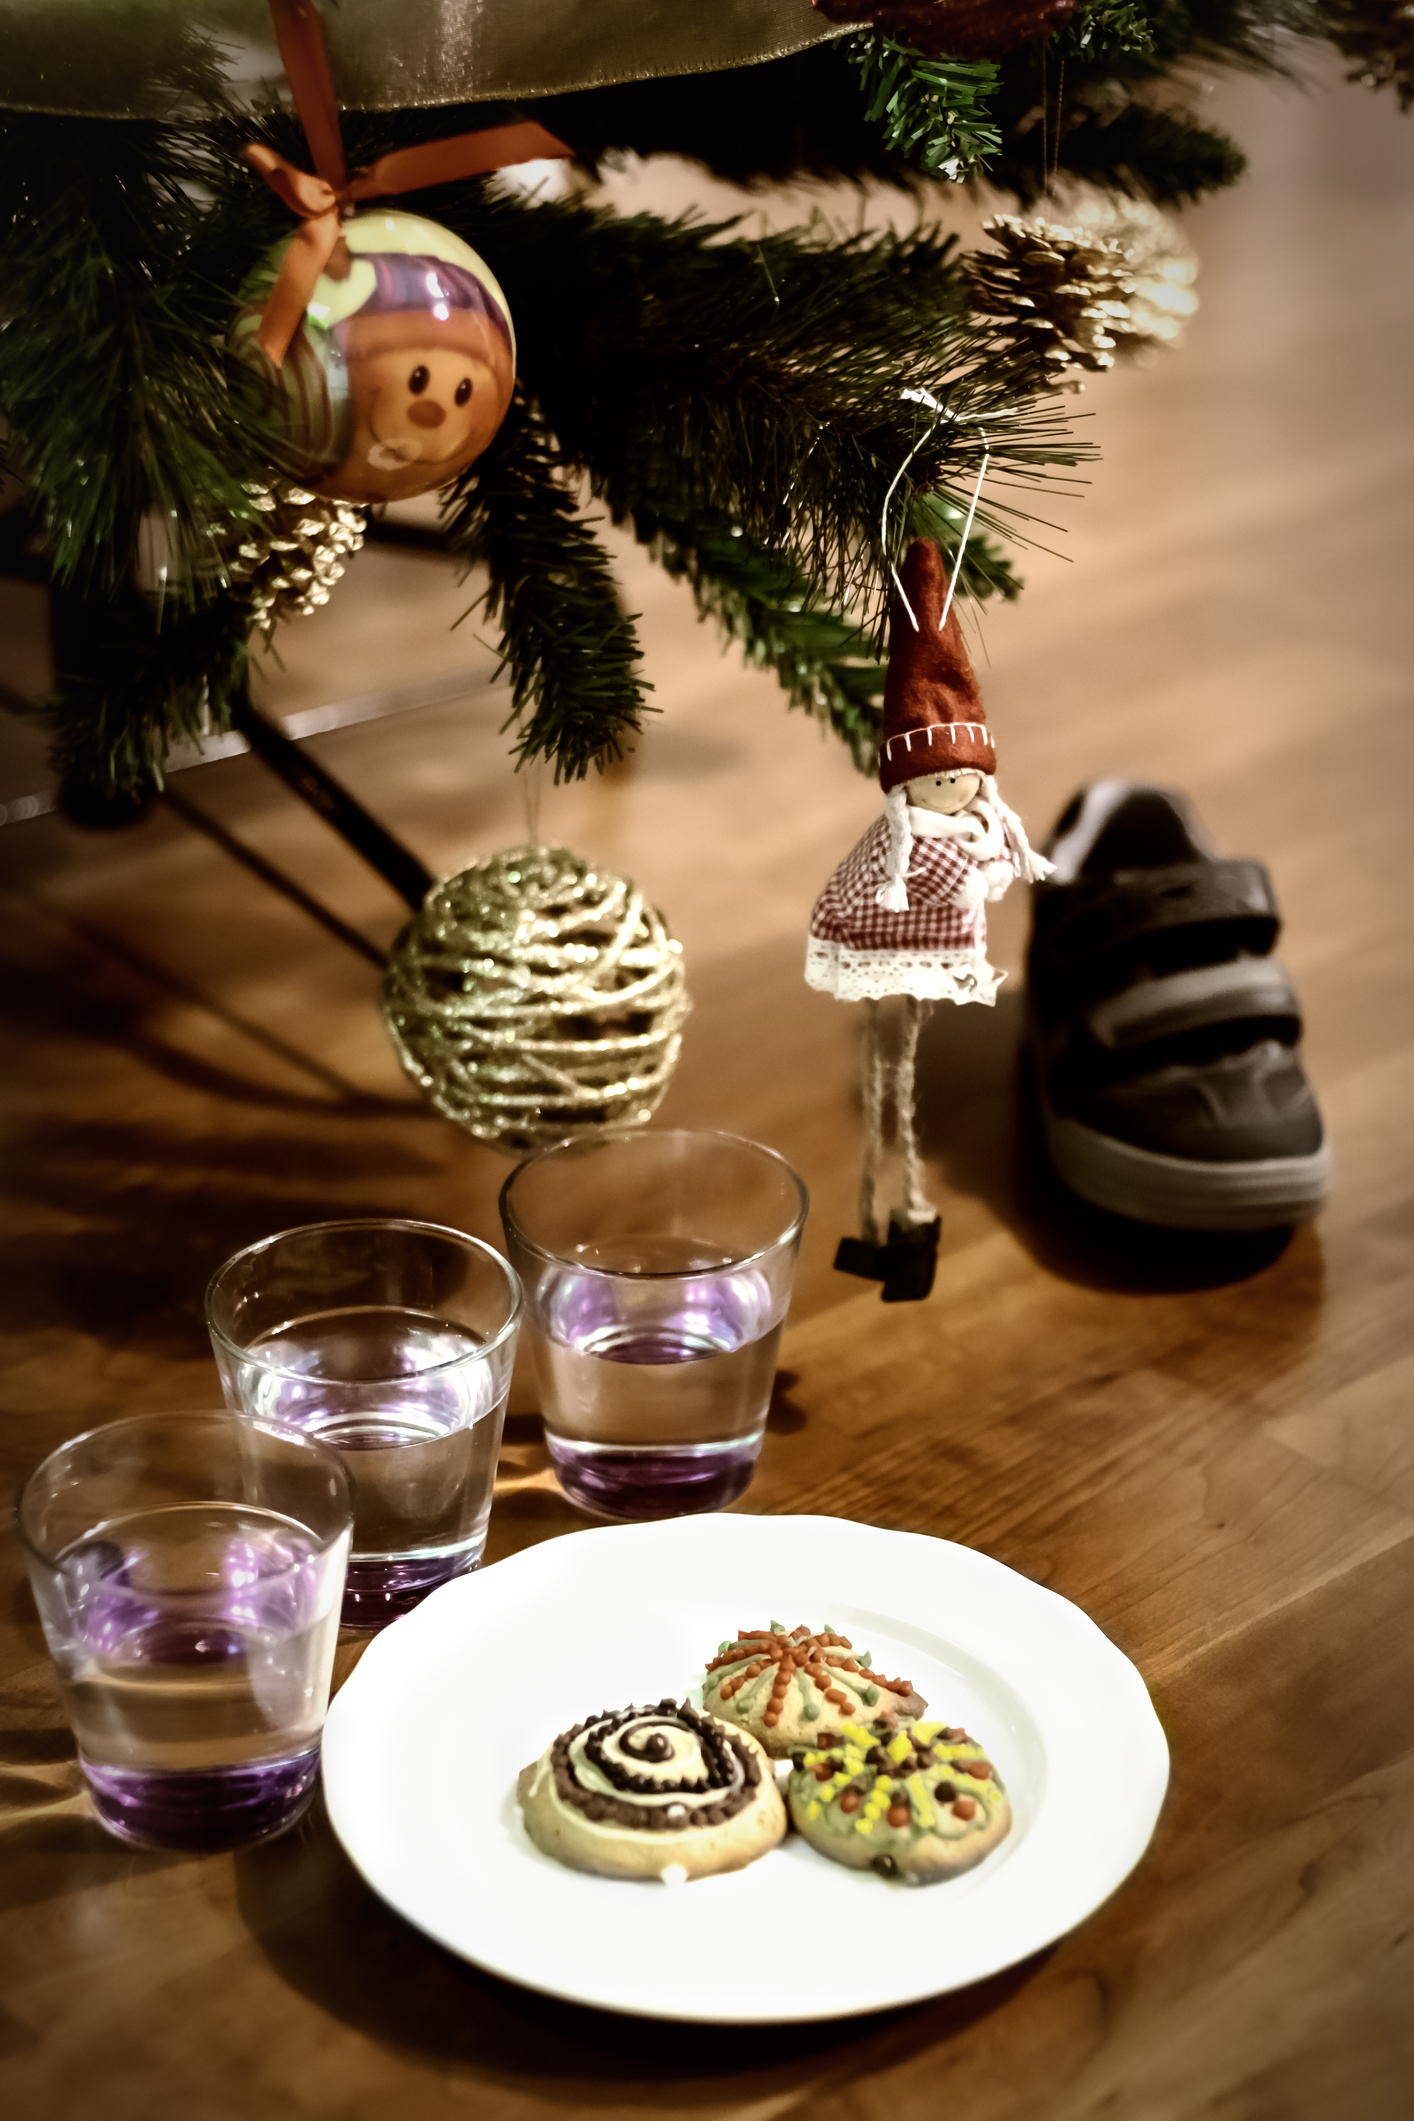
393, 1342
657, 1269
187, 1570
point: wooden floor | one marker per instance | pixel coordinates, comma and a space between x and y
1208, 1445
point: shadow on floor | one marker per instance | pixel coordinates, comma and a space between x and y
114, 1224
157, 1217
334, 1941
100, 988
977, 1118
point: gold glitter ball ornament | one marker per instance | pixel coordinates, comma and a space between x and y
290, 560
535, 997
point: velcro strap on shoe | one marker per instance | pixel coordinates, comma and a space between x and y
1248, 988
1135, 905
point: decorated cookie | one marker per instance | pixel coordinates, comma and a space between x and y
799, 1688
918, 1803
652, 1793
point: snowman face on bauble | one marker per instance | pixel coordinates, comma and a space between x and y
403, 368
947, 793
427, 395
415, 415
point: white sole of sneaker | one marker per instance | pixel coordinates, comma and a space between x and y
1178, 1194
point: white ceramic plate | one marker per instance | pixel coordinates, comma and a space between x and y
424, 1743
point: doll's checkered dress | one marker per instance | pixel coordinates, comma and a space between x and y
936, 950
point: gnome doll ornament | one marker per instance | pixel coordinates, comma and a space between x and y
903, 914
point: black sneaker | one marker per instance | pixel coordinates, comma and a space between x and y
1164, 1035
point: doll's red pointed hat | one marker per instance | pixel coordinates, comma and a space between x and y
934, 721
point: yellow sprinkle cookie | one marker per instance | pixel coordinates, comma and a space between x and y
920, 1801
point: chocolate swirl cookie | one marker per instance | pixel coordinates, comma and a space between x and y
652, 1793
799, 1689
919, 1803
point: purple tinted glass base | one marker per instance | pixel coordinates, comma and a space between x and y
376, 1592
206, 1808
637, 1484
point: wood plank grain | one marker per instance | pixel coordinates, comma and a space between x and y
1205, 1442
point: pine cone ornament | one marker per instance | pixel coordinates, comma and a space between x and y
1118, 280
290, 560
1162, 264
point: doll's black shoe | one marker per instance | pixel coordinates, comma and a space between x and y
860, 1256
906, 1264
911, 1261
1164, 1035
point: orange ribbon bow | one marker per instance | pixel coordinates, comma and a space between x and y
321, 200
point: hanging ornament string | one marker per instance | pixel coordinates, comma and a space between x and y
321, 199
1045, 149
1056, 140
924, 397
532, 783
913, 397
967, 528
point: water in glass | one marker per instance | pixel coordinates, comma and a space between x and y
200, 1642
658, 1359
417, 1419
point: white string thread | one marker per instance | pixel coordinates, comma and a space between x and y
532, 783
884, 512
924, 397
966, 529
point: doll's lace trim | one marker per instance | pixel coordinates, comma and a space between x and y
870, 975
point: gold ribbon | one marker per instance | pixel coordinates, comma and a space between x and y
322, 199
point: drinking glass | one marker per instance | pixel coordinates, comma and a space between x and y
187, 1570
392, 1341
657, 1269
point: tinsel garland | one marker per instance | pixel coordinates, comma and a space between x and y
536, 997
288, 562
1116, 280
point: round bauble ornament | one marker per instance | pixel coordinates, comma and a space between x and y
402, 369
535, 997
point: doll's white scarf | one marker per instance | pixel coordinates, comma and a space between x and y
987, 830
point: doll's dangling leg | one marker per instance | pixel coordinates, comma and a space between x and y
872, 1092
918, 1210
911, 1255
864, 1255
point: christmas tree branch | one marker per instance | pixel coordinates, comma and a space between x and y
1378, 36
824, 659
132, 683
835, 377
111, 376
1163, 155
836, 384
1097, 101
933, 112
570, 651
